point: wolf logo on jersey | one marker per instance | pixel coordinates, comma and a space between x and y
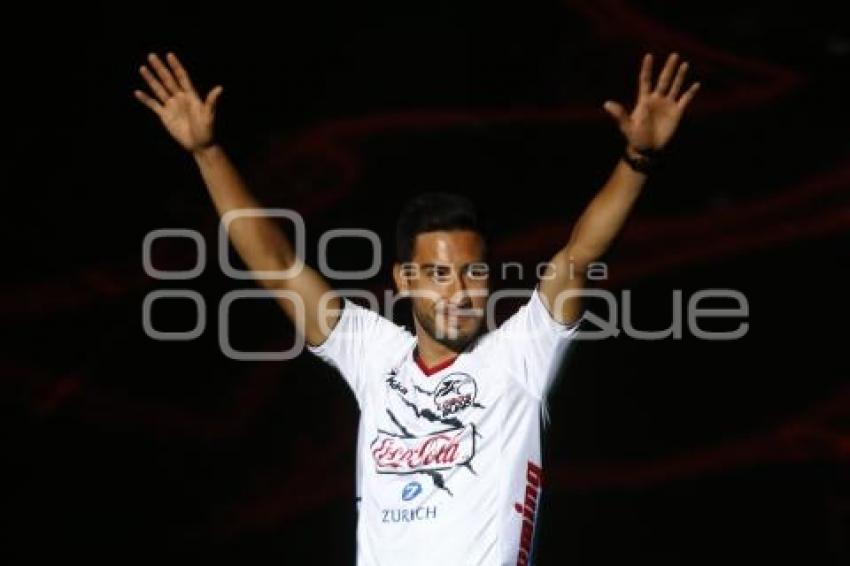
455, 393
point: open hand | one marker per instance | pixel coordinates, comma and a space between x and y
186, 117
655, 117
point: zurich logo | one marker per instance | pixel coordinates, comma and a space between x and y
411, 490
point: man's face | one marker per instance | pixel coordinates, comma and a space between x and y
447, 279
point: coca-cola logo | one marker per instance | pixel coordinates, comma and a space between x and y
436, 451
454, 393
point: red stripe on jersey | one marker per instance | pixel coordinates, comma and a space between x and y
433, 369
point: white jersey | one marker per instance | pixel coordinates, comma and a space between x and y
448, 458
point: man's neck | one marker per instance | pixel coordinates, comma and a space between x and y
429, 351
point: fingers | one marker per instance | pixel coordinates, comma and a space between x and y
212, 97
668, 85
165, 83
616, 110
147, 101
688, 96
180, 73
666, 74
645, 76
677, 82
164, 74
155, 85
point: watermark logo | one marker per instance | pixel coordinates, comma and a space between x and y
471, 300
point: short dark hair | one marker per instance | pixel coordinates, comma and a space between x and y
430, 212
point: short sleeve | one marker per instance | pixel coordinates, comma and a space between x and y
356, 334
534, 344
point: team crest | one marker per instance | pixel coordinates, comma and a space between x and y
454, 393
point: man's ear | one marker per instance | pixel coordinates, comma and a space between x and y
401, 282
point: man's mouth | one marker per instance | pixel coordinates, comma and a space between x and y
461, 313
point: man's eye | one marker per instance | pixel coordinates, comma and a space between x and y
478, 271
439, 273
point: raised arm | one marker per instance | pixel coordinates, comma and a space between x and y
258, 240
647, 129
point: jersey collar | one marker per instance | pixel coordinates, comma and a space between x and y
432, 369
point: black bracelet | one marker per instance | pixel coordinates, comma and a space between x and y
647, 161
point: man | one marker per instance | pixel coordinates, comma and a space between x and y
448, 456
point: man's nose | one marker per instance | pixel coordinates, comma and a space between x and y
459, 292
458, 285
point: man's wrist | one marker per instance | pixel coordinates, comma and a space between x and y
641, 160
206, 152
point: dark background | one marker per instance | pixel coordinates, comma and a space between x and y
120, 448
